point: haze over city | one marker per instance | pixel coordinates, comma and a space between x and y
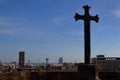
47, 29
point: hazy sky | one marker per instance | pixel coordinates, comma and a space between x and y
47, 29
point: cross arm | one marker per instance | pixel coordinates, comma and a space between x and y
95, 18
77, 17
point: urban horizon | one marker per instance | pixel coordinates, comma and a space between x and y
47, 29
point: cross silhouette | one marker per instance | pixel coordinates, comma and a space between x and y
87, 18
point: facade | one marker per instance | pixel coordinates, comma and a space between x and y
106, 63
21, 59
60, 60
56, 67
65, 67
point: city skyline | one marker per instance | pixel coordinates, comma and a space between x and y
47, 29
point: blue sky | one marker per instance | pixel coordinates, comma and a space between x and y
46, 28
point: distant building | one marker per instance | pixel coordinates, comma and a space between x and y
56, 67
13, 65
65, 67
106, 63
1, 66
21, 59
60, 60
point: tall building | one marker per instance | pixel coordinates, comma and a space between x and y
60, 60
21, 59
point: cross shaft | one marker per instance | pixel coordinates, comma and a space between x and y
87, 18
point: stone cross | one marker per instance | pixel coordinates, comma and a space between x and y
87, 18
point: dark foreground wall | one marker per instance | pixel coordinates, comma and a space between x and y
109, 75
45, 76
60, 76
85, 72
57, 76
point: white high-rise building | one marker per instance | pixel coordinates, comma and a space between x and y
60, 60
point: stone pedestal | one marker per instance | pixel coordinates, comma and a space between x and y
87, 71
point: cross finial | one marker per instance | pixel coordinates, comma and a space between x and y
86, 7
86, 15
